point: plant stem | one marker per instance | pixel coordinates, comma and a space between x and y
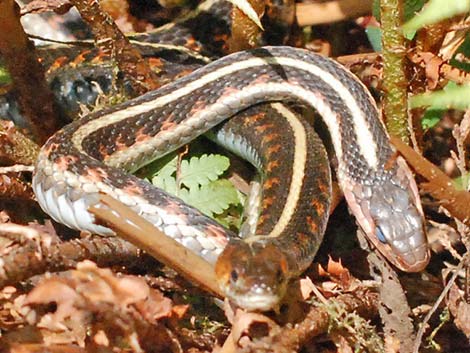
394, 82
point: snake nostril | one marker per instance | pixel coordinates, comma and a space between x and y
234, 275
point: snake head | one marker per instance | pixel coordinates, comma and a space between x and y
253, 275
392, 217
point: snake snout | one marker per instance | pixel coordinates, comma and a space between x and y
399, 225
253, 276
390, 214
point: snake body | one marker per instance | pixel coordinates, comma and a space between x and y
87, 158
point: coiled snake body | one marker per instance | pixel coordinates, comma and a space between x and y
88, 157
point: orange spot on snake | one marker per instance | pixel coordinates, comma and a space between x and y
155, 62
268, 201
271, 182
274, 149
323, 187
261, 79
140, 136
228, 91
63, 162
263, 128
97, 174
312, 224
168, 125
81, 58
318, 206
197, 107
133, 189
272, 165
57, 64
217, 233
120, 145
253, 119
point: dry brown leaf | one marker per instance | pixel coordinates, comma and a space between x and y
68, 324
460, 309
101, 339
244, 322
180, 310
40, 6
156, 306
123, 292
342, 344
337, 273
90, 293
392, 344
306, 287
58, 291
101, 285
330, 289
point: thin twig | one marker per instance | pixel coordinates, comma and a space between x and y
18, 168
422, 328
35, 259
440, 186
331, 11
112, 41
144, 235
34, 96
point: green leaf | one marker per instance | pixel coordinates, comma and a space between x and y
465, 50
212, 198
376, 9
411, 7
202, 170
431, 118
4, 76
462, 182
435, 11
165, 177
374, 34
453, 97
200, 186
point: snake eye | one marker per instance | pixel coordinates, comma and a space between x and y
234, 275
380, 235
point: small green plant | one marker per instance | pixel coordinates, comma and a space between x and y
199, 182
433, 12
358, 331
452, 96
4, 76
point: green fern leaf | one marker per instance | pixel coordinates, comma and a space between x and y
453, 96
200, 171
165, 177
435, 11
212, 198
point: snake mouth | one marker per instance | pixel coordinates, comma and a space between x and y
254, 301
414, 260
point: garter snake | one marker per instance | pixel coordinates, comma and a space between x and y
87, 157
